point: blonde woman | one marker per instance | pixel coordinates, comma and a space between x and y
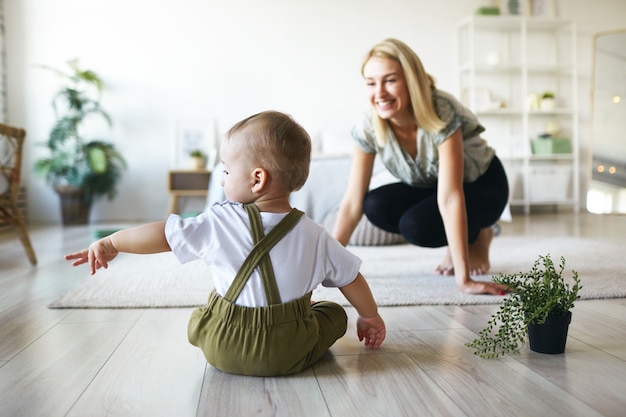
452, 188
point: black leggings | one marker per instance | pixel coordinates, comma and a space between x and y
413, 212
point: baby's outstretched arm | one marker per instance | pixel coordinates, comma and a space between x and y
147, 238
369, 326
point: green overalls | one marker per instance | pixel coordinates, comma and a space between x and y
277, 339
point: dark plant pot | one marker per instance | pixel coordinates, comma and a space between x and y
74, 208
549, 337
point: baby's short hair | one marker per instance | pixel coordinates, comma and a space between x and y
279, 144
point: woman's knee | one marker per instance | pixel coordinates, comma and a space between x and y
422, 232
378, 212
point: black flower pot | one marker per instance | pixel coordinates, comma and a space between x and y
549, 337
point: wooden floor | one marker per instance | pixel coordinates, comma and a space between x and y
139, 363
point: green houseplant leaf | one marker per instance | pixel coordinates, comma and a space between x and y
535, 296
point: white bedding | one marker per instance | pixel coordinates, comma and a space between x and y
324, 189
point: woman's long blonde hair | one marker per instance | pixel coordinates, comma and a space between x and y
418, 81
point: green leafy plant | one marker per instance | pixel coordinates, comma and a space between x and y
535, 295
94, 166
196, 153
547, 95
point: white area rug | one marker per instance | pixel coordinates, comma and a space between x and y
398, 275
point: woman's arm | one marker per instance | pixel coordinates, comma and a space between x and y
451, 201
351, 207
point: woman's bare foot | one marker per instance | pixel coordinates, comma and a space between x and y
479, 252
445, 267
478, 255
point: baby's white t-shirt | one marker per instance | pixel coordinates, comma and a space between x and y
306, 256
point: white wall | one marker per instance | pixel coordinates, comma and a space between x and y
165, 61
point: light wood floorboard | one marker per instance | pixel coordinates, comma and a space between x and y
232, 395
137, 362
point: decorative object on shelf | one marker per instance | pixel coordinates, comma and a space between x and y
552, 128
549, 142
539, 307
543, 8
197, 159
546, 145
488, 11
486, 101
514, 7
548, 101
533, 101
81, 171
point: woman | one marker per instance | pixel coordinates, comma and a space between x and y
452, 187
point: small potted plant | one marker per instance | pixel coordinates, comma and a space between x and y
548, 101
539, 307
197, 159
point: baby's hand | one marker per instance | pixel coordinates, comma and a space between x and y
372, 330
98, 255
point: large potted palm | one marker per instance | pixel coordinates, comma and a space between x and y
80, 170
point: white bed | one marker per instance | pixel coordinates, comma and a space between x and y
321, 194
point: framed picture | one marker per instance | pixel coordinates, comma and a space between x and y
192, 135
543, 8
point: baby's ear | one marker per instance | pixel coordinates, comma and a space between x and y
259, 179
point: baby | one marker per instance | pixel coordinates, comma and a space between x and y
266, 259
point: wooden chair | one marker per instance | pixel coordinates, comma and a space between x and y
11, 146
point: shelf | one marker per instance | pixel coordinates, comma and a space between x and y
558, 111
500, 112
507, 59
518, 112
187, 183
510, 23
551, 157
491, 69
551, 69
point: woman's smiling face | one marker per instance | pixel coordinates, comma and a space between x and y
386, 87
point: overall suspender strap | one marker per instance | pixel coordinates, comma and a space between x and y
263, 244
272, 295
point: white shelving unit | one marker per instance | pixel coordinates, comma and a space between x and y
502, 62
